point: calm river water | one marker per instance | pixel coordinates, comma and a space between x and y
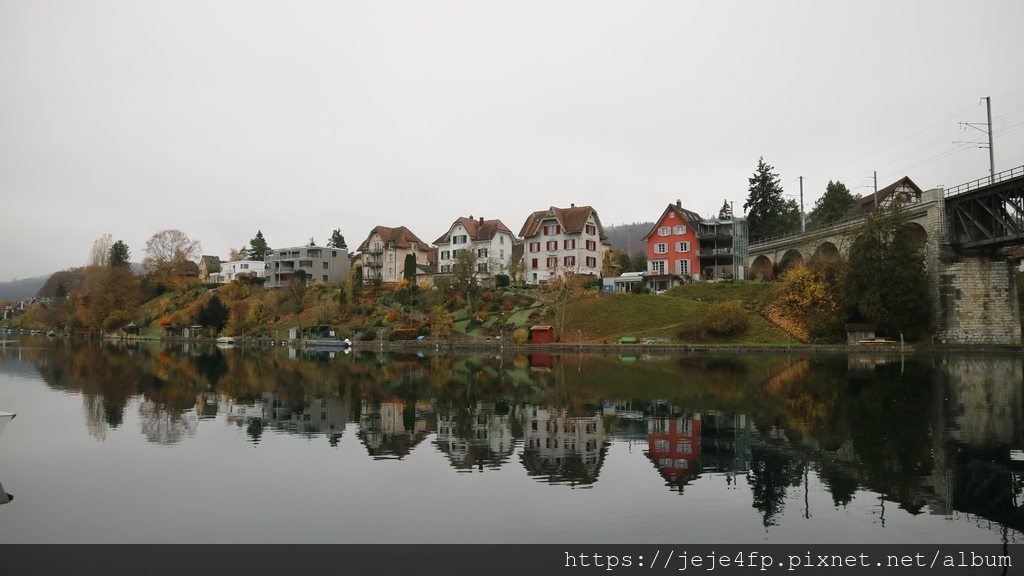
182, 444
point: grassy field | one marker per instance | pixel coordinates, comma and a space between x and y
607, 318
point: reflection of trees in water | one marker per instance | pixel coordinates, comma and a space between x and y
873, 427
771, 474
164, 427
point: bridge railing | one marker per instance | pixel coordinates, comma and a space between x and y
986, 181
825, 228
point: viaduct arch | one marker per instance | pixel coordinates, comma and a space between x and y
973, 289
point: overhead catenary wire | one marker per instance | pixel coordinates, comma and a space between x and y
955, 148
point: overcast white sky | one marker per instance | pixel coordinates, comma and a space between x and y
220, 118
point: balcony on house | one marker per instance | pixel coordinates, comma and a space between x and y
724, 251
720, 230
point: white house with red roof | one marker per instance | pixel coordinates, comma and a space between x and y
561, 241
490, 240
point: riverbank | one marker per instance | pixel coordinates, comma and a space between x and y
638, 349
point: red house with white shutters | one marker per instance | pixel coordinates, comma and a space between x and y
672, 247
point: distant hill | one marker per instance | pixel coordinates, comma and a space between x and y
627, 236
21, 289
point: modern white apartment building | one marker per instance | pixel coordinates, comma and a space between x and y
319, 264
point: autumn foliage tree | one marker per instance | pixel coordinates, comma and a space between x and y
167, 253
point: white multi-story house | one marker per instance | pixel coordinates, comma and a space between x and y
229, 271
320, 264
384, 251
490, 240
558, 241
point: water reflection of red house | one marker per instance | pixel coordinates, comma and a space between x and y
673, 444
542, 361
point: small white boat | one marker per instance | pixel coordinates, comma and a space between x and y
5, 417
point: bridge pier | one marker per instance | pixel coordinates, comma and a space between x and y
975, 299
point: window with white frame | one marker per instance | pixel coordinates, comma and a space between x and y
552, 230
661, 248
570, 260
570, 244
682, 246
682, 266
534, 246
680, 229
552, 244
592, 245
664, 231
591, 229
657, 266
591, 262
552, 262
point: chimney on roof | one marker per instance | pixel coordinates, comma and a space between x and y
679, 203
572, 205
481, 220
470, 216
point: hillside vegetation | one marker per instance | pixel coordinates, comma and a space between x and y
719, 313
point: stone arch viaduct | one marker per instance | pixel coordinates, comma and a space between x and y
965, 231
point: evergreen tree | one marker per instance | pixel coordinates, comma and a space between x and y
887, 280
213, 314
836, 201
725, 213
409, 272
258, 247
119, 256
337, 240
768, 213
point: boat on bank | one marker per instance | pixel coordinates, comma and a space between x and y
5, 417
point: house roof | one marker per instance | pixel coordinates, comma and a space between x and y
476, 229
572, 220
867, 203
210, 263
687, 215
400, 237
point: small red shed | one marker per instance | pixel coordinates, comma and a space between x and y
542, 334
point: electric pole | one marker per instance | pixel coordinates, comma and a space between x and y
803, 221
991, 149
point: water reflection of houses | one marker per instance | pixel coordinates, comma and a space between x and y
390, 430
311, 416
563, 449
476, 437
673, 444
684, 446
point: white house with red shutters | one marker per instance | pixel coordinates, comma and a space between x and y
562, 241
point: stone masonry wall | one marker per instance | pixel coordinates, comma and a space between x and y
976, 299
